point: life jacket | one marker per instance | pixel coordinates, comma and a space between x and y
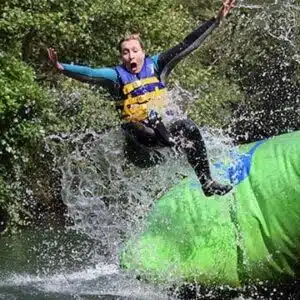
141, 92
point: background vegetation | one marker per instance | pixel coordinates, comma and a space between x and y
245, 79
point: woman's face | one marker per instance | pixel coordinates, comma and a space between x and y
132, 55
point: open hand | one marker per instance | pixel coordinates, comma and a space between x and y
226, 8
52, 56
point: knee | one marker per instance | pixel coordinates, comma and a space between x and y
186, 127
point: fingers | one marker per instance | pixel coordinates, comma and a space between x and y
52, 56
227, 6
229, 3
51, 53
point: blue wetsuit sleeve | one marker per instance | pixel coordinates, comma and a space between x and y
88, 74
105, 77
155, 61
167, 60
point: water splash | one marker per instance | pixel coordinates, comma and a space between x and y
278, 18
108, 197
101, 281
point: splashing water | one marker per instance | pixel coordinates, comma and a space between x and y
108, 200
104, 197
108, 197
284, 26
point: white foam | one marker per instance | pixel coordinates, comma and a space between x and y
91, 281
61, 279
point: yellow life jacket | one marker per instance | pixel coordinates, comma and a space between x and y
141, 95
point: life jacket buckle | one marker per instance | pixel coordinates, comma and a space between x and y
136, 84
153, 117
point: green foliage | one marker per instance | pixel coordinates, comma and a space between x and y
201, 10
256, 50
217, 98
21, 127
80, 107
22, 102
86, 31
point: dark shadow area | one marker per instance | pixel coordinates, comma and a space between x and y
272, 98
4, 218
141, 156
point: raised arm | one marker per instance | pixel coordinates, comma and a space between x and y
106, 77
166, 61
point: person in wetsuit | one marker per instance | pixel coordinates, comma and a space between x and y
139, 81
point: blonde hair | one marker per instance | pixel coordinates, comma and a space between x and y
130, 36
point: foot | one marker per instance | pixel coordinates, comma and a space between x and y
214, 188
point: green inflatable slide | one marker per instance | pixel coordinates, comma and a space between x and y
251, 234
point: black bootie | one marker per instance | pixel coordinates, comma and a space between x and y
212, 187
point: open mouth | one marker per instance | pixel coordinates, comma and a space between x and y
133, 66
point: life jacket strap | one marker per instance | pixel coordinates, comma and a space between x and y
129, 87
142, 98
137, 108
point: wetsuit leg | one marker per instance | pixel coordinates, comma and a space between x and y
138, 135
143, 134
188, 137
